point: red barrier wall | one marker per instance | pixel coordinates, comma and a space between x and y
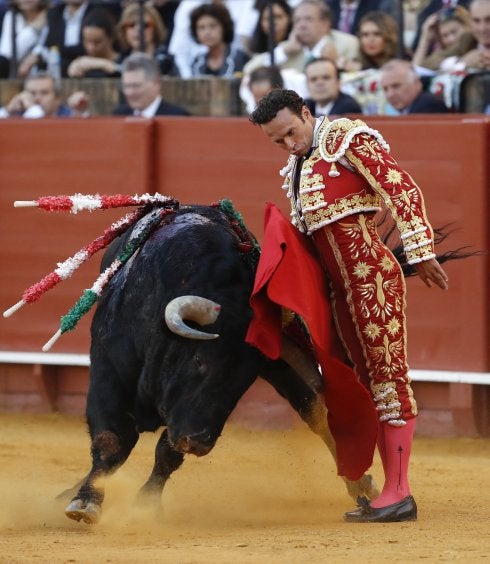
202, 160
39, 158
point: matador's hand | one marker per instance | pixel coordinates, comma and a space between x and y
430, 271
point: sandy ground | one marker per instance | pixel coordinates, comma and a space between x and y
260, 496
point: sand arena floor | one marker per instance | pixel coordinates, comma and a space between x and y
259, 497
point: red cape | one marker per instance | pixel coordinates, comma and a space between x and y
290, 275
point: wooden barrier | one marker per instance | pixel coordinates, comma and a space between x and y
206, 96
201, 160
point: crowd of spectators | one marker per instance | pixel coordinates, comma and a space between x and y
343, 56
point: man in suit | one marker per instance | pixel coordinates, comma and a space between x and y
346, 14
325, 96
41, 97
312, 37
141, 86
404, 91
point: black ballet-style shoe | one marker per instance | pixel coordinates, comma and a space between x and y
403, 510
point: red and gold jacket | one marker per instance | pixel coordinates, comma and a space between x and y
351, 171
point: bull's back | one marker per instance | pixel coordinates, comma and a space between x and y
193, 252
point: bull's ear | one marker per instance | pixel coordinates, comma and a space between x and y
193, 308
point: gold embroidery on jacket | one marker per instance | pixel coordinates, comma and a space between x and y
336, 132
400, 194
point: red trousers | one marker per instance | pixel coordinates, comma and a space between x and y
368, 301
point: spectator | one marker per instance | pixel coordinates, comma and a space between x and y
432, 7
98, 34
325, 96
141, 85
64, 32
258, 84
263, 80
41, 97
282, 16
404, 92
378, 40
166, 10
154, 36
183, 46
312, 33
212, 26
479, 58
346, 14
445, 34
30, 30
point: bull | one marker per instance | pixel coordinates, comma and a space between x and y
157, 361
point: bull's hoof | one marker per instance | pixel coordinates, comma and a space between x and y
365, 487
78, 510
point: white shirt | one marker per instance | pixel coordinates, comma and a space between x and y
324, 110
150, 110
314, 53
33, 112
26, 37
73, 24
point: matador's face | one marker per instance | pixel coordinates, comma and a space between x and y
292, 133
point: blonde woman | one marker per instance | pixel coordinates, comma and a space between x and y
445, 34
378, 41
154, 37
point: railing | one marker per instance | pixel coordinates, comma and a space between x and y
214, 97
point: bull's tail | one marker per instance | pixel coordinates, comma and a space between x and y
390, 237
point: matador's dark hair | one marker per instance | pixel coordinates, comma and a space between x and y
275, 101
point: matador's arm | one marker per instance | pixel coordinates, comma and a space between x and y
399, 192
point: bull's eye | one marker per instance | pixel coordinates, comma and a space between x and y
199, 363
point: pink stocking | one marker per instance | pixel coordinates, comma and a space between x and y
394, 446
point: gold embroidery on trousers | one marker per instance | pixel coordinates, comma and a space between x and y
374, 302
362, 242
388, 357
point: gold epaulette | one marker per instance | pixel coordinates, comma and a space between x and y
335, 137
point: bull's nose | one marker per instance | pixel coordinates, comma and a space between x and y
198, 444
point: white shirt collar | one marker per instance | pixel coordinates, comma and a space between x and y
151, 110
324, 110
316, 51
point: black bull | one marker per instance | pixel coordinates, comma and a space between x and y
149, 369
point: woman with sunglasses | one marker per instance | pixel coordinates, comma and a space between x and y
154, 37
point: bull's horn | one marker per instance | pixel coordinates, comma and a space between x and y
194, 308
301, 362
